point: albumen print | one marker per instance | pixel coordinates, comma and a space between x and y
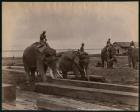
70, 56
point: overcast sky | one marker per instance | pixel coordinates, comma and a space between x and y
68, 24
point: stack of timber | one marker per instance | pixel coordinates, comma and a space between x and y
90, 91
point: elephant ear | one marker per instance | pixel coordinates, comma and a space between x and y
113, 51
49, 51
76, 60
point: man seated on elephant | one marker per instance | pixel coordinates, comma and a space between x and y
82, 47
108, 44
43, 39
42, 44
108, 41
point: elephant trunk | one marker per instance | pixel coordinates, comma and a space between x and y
88, 78
55, 72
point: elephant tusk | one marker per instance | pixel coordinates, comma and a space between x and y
58, 72
51, 74
86, 74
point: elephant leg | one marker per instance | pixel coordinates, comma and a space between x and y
108, 64
28, 77
102, 62
134, 62
83, 73
41, 70
76, 72
33, 75
64, 73
86, 73
43, 76
38, 76
27, 74
56, 72
111, 64
129, 61
51, 73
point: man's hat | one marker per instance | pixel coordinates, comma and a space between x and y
132, 43
44, 32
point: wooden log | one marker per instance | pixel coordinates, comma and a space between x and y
90, 94
91, 78
51, 105
63, 103
91, 84
8, 93
97, 78
27, 86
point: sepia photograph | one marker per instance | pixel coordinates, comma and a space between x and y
70, 56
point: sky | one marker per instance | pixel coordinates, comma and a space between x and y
68, 24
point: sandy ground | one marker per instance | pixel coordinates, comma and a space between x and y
27, 100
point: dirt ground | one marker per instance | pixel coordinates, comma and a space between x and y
120, 74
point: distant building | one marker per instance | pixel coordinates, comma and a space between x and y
122, 47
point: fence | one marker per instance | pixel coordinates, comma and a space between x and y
19, 53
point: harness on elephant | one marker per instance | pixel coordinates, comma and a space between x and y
40, 46
108, 53
111, 54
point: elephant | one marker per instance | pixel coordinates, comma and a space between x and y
108, 55
34, 60
132, 56
72, 61
84, 62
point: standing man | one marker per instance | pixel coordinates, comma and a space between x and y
82, 47
108, 51
132, 55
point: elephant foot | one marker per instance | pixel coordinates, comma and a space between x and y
44, 79
38, 79
102, 66
78, 78
135, 68
87, 79
84, 78
65, 77
27, 82
60, 78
